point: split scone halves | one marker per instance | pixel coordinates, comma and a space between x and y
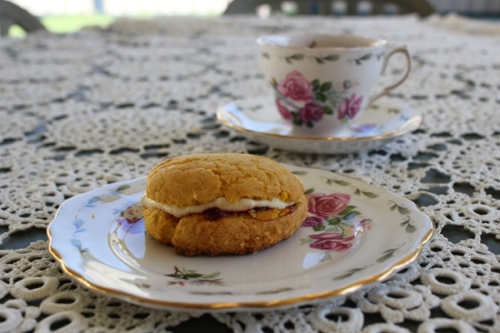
222, 203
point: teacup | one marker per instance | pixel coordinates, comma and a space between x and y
323, 82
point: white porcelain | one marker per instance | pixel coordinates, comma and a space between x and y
381, 123
99, 239
323, 82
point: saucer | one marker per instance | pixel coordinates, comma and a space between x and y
100, 240
258, 120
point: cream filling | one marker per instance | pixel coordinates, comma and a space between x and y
221, 203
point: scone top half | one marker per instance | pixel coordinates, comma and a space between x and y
230, 182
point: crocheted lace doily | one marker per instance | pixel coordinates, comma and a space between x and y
83, 110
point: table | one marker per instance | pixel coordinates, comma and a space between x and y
83, 110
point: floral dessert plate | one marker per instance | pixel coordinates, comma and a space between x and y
259, 121
355, 235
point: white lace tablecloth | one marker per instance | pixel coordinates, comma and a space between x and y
83, 110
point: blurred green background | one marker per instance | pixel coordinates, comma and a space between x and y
63, 16
67, 23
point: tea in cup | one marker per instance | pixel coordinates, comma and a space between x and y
323, 82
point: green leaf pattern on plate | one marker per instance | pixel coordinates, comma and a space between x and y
388, 254
349, 273
357, 191
186, 276
407, 222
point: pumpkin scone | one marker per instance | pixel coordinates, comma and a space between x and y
222, 203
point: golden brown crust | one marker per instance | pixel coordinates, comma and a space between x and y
160, 225
236, 233
201, 178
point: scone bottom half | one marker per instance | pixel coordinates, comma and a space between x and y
185, 188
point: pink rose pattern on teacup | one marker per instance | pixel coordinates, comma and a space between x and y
350, 107
306, 102
337, 221
285, 113
311, 112
296, 87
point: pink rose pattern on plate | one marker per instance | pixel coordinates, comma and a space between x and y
128, 218
305, 103
338, 222
326, 205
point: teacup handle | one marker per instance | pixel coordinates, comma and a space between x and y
398, 49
